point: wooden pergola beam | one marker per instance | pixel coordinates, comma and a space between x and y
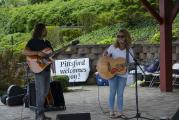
152, 11
174, 12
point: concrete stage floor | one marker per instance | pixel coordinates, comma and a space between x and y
85, 99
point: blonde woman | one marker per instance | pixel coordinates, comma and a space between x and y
120, 48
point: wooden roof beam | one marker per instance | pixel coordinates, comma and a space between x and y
174, 12
152, 11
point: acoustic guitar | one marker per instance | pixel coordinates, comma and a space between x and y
37, 64
108, 67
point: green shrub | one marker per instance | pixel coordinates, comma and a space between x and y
156, 37
68, 34
87, 19
64, 80
107, 34
53, 35
106, 18
109, 40
4, 19
15, 42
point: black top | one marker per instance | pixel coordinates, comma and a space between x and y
38, 45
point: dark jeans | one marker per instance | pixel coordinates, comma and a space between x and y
42, 84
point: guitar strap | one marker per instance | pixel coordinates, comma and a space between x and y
127, 56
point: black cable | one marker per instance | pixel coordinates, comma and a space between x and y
22, 110
99, 103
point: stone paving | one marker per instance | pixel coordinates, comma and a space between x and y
93, 99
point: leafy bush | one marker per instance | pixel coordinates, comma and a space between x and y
13, 3
53, 35
9, 71
4, 19
99, 35
15, 42
107, 34
64, 80
68, 34
87, 19
91, 14
106, 18
156, 37
109, 40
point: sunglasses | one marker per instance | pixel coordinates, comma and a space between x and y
120, 36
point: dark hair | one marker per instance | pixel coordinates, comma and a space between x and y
38, 30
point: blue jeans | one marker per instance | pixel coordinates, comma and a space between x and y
116, 85
42, 84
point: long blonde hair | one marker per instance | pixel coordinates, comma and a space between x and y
128, 38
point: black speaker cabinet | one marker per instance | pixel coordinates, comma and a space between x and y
32, 100
74, 116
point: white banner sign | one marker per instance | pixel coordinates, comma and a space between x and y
76, 69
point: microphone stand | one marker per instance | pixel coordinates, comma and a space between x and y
138, 115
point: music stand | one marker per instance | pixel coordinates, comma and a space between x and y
138, 115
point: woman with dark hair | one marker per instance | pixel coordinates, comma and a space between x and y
34, 47
120, 49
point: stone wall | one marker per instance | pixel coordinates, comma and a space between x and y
143, 53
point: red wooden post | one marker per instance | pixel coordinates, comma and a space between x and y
165, 7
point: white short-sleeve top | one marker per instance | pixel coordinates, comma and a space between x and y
116, 52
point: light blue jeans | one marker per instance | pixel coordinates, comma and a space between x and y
116, 85
42, 84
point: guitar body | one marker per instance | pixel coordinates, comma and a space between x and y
36, 63
108, 67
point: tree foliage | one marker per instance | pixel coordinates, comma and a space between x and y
91, 14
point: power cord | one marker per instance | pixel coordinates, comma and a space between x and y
99, 103
22, 110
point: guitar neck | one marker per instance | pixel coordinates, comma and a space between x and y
58, 51
64, 47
